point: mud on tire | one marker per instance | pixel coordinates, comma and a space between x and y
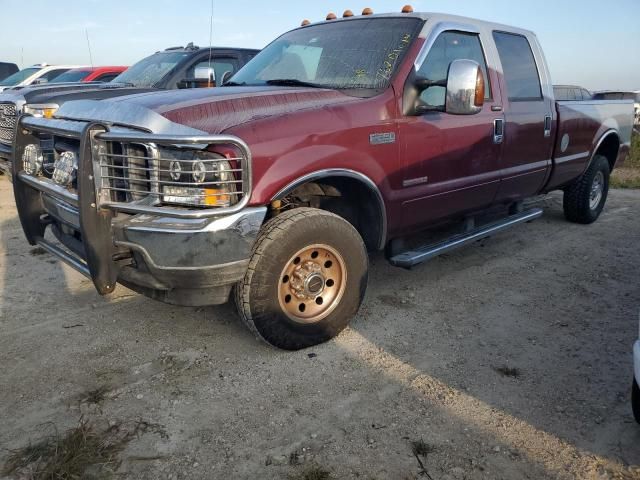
301, 257
581, 204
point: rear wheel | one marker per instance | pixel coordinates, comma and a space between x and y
584, 199
635, 400
306, 279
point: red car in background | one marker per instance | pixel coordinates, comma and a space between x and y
89, 74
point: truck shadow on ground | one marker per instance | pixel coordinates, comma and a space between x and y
506, 366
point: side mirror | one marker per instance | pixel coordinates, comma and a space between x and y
226, 76
205, 74
465, 88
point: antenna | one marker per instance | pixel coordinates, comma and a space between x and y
21, 57
210, 43
86, 32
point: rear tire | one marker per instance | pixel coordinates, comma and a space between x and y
635, 400
585, 198
306, 279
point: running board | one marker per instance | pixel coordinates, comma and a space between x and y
422, 254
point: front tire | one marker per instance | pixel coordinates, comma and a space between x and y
306, 279
635, 400
585, 198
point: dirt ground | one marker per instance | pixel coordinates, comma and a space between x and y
509, 359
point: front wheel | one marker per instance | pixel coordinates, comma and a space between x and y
584, 199
306, 279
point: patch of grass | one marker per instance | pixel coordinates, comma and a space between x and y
81, 452
508, 371
68, 456
312, 472
421, 448
628, 176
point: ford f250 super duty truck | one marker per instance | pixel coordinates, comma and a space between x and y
338, 137
178, 67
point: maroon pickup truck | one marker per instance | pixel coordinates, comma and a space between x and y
338, 138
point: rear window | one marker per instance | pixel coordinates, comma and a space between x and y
519, 65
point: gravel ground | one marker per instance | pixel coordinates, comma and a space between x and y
510, 359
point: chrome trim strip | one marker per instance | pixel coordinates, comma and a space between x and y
435, 33
341, 172
570, 158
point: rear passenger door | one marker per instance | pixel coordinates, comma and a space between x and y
528, 139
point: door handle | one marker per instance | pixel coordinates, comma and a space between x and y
547, 126
498, 131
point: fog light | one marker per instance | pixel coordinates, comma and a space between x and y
64, 169
32, 159
175, 171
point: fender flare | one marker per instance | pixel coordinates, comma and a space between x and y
346, 173
604, 136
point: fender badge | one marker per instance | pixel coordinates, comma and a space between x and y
382, 138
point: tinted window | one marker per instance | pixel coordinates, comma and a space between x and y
359, 54
450, 46
18, 77
519, 65
151, 70
71, 76
54, 73
106, 77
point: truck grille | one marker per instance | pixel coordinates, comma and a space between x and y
7, 122
132, 172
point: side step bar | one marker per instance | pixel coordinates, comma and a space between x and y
68, 258
422, 254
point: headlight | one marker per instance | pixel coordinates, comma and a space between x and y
41, 110
196, 178
32, 159
64, 169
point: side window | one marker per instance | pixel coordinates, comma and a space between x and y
106, 77
450, 46
519, 65
54, 73
220, 66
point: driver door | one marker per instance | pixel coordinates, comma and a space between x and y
451, 162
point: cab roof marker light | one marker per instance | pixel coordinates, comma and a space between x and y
407, 9
331, 16
347, 14
305, 22
367, 11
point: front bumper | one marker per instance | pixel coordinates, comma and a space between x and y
5, 159
636, 360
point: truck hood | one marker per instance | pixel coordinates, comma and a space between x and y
66, 92
215, 110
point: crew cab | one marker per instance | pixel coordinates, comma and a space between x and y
339, 137
177, 67
35, 75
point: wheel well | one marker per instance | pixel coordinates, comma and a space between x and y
609, 148
347, 197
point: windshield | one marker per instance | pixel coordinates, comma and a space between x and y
354, 54
18, 77
71, 76
149, 71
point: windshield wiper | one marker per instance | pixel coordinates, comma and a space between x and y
235, 84
292, 82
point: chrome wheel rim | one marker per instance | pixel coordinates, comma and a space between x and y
312, 283
597, 190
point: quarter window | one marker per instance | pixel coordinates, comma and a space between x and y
519, 65
450, 46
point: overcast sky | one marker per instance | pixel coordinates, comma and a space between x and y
589, 42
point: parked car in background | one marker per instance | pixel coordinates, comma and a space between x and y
7, 69
173, 68
571, 93
338, 137
622, 95
89, 74
635, 393
35, 75
637, 108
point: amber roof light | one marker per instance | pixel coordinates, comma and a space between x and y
305, 22
331, 16
367, 11
347, 14
407, 9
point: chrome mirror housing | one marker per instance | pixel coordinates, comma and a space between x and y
465, 88
206, 74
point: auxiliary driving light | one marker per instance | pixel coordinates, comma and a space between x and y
32, 159
64, 169
175, 170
